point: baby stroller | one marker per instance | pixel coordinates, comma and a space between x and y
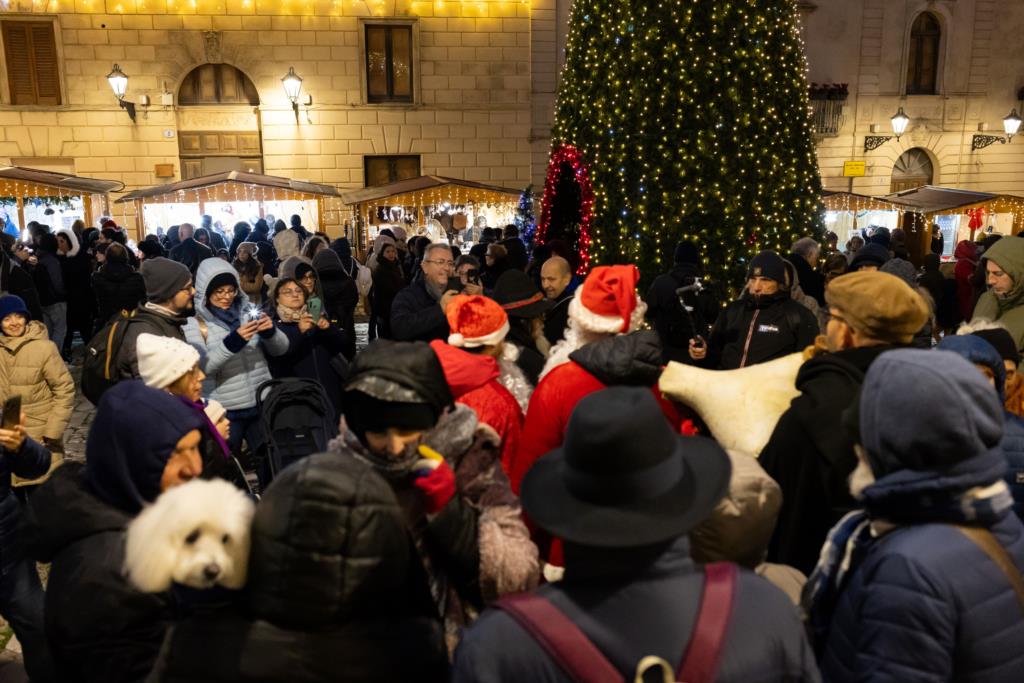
297, 418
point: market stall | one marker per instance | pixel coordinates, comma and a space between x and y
54, 199
228, 198
960, 214
848, 214
430, 205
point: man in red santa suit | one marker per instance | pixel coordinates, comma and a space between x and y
470, 363
601, 348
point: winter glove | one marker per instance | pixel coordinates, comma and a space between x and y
235, 342
435, 480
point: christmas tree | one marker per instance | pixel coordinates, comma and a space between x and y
525, 220
682, 119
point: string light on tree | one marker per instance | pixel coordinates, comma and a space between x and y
692, 119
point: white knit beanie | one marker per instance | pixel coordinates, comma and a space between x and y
163, 360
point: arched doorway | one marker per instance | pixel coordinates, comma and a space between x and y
912, 169
218, 125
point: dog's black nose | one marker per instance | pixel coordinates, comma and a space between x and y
211, 571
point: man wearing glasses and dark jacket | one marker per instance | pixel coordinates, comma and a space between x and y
417, 313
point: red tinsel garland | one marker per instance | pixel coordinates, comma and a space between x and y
563, 154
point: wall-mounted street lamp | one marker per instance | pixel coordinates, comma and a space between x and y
292, 84
119, 84
1011, 125
899, 120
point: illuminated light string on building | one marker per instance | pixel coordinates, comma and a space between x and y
454, 8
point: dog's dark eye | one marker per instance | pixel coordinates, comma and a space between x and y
192, 537
226, 539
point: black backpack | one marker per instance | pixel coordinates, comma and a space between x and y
99, 369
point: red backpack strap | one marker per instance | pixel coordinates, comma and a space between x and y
700, 663
561, 639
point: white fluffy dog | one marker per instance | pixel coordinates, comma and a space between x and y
196, 535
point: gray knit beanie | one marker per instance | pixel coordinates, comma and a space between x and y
164, 278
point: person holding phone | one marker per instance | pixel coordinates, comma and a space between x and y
418, 311
234, 338
31, 367
21, 593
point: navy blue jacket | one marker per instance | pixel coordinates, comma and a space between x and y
309, 356
416, 315
32, 461
629, 611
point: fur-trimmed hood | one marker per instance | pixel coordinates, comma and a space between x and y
73, 239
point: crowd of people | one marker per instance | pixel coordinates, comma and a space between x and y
502, 487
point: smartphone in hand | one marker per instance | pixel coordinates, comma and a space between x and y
12, 413
454, 284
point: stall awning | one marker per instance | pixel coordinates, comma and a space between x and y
232, 186
25, 182
428, 190
932, 200
850, 201
1000, 203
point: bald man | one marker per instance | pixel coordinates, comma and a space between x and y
555, 276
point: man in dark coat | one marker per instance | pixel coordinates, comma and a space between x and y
810, 454
675, 326
169, 293
630, 586
100, 627
189, 252
517, 257
16, 280
919, 586
804, 257
555, 278
479, 250
417, 313
760, 326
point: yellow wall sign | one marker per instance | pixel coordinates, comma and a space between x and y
854, 169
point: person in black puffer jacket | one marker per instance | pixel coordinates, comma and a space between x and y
16, 280
345, 606
117, 285
762, 325
340, 296
100, 628
675, 326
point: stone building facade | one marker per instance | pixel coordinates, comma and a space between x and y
212, 72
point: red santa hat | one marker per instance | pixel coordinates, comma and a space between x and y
607, 302
476, 321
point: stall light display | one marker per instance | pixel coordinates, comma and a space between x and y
692, 121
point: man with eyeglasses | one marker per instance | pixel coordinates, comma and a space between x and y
417, 313
810, 453
169, 294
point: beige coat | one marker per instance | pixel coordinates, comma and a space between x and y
30, 365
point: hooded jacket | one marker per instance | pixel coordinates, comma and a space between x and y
287, 243
100, 627
235, 368
31, 367
473, 380
810, 454
922, 602
344, 602
625, 360
340, 296
1008, 253
76, 269
640, 602
675, 328
755, 330
118, 287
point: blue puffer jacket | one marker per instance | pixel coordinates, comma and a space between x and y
923, 602
232, 375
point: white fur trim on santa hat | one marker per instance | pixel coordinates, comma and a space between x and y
162, 360
604, 324
496, 337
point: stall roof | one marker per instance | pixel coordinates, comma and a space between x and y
930, 199
279, 187
414, 190
48, 181
850, 201
1000, 203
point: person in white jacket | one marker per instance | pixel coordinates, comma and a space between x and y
233, 336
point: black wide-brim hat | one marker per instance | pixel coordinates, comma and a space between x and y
624, 478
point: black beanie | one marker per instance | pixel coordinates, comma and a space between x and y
1003, 342
686, 252
220, 280
770, 265
364, 413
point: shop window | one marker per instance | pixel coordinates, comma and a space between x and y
30, 52
381, 170
388, 63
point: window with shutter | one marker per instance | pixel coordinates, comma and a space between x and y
33, 72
